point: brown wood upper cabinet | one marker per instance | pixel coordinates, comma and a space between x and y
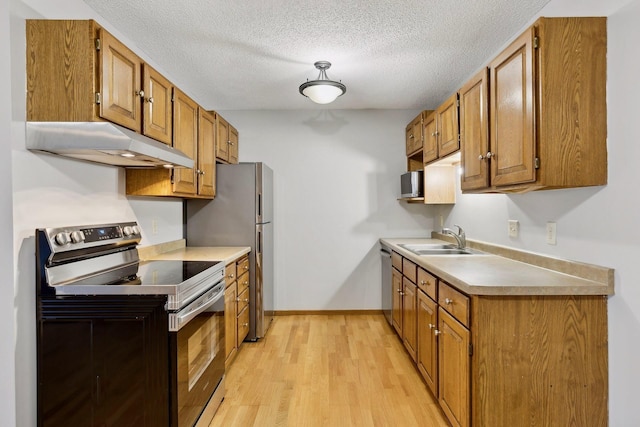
414, 135
228, 139
77, 71
440, 129
194, 134
547, 109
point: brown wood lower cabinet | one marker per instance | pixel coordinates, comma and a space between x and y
236, 305
500, 360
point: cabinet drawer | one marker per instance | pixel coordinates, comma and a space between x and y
243, 300
243, 266
243, 325
396, 261
455, 302
243, 282
409, 270
230, 273
428, 283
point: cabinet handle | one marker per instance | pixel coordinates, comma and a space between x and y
481, 157
490, 154
422, 282
150, 100
431, 326
245, 324
436, 332
246, 282
246, 267
448, 301
399, 291
140, 93
410, 136
231, 276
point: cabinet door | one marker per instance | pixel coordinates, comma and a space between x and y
222, 141
156, 105
512, 90
454, 369
409, 317
185, 139
120, 83
396, 311
206, 153
427, 348
234, 147
230, 320
474, 132
430, 145
447, 113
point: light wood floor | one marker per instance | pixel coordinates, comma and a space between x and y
326, 370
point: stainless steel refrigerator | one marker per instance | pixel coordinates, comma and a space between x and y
241, 215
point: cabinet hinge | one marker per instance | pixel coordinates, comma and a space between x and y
536, 163
98, 98
535, 42
470, 349
98, 44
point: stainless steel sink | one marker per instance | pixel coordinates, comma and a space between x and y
436, 249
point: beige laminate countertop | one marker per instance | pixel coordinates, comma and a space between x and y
510, 273
178, 251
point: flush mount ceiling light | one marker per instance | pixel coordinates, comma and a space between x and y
322, 90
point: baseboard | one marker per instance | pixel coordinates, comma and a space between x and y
323, 312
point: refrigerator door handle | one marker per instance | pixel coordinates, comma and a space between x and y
259, 243
260, 206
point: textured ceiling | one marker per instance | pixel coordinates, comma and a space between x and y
245, 54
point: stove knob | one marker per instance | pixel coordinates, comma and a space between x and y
136, 229
127, 231
62, 238
77, 237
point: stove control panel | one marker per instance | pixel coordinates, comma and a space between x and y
62, 239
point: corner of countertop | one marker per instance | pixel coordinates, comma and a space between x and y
147, 252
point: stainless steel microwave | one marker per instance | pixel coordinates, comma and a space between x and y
412, 184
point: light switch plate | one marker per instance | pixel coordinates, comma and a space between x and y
514, 227
551, 233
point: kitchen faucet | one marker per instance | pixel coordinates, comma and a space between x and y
460, 237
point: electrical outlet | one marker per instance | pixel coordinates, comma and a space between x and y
154, 226
551, 233
513, 227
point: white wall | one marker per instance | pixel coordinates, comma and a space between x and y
7, 307
337, 177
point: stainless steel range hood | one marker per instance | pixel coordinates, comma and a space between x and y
103, 142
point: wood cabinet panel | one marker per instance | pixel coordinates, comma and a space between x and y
428, 283
455, 302
409, 270
243, 325
228, 141
556, 348
447, 132
474, 131
206, 172
414, 135
230, 319
157, 120
427, 357
396, 311
396, 261
185, 139
430, 146
121, 100
409, 317
234, 147
454, 365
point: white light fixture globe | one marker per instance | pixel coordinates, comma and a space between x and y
322, 90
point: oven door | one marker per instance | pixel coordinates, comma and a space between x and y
197, 355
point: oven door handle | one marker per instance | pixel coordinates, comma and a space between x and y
184, 316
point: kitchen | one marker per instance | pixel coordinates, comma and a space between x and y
364, 149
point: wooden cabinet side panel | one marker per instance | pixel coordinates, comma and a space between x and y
234, 145
120, 83
230, 321
474, 131
454, 365
61, 70
156, 107
185, 139
206, 154
427, 351
448, 127
572, 107
409, 318
543, 359
222, 146
430, 143
512, 136
396, 311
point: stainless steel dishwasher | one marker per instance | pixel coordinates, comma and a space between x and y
387, 285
